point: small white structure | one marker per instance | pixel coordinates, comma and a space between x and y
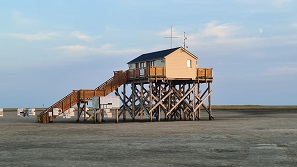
23, 112
69, 113
106, 102
1, 112
57, 111
20, 111
31, 111
107, 113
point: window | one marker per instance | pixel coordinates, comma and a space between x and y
189, 64
137, 65
152, 63
142, 65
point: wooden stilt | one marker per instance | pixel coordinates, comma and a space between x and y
85, 111
99, 116
78, 111
151, 101
194, 102
160, 97
95, 116
133, 103
199, 114
124, 113
209, 103
117, 115
141, 102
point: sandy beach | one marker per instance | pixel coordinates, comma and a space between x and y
234, 138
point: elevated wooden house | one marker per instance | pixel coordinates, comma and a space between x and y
166, 81
178, 62
171, 64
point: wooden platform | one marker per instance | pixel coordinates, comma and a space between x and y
145, 75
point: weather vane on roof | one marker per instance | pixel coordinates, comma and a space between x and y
171, 37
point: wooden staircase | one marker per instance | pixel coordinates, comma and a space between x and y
119, 78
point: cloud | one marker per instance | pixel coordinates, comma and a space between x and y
32, 37
215, 34
282, 71
272, 2
217, 30
83, 37
73, 49
280, 2
167, 33
268, 5
106, 49
18, 18
294, 25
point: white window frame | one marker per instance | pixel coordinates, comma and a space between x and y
189, 63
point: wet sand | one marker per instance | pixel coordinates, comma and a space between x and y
234, 138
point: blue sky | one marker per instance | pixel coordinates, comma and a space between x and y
49, 48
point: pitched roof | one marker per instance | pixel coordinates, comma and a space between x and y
153, 55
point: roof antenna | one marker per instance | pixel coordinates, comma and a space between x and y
171, 37
185, 38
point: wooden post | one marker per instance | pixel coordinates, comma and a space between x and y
117, 115
194, 101
78, 111
160, 97
100, 116
180, 110
85, 110
151, 101
184, 92
141, 101
209, 103
133, 102
124, 112
199, 111
169, 98
95, 116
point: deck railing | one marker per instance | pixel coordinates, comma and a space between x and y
160, 72
119, 78
204, 73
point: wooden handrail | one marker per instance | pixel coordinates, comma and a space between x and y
119, 78
204, 73
146, 72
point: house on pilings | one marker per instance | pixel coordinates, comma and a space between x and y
167, 81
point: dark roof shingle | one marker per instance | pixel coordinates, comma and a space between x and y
153, 55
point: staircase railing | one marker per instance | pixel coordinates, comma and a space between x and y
119, 78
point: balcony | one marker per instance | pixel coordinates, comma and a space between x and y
156, 73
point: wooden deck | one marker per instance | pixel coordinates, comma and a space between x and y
159, 73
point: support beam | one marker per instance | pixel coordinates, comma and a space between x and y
151, 101
159, 103
180, 100
209, 103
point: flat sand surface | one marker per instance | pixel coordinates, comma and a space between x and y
234, 138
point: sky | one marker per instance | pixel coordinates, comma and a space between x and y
49, 48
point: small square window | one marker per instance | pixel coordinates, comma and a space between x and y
189, 64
